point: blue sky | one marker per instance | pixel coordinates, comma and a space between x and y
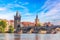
47, 10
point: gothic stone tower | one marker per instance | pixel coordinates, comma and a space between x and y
36, 21
17, 20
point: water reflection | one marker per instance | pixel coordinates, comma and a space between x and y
6, 36
16, 36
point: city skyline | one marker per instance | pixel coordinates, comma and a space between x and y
47, 10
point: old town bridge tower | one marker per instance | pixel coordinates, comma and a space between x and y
17, 21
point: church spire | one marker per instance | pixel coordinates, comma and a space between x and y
17, 13
37, 16
36, 20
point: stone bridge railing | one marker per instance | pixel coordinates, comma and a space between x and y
40, 30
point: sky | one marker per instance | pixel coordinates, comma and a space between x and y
47, 10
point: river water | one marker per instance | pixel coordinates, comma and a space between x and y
11, 36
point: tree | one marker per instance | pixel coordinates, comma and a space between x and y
39, 24
3, 25
11, 29
0, 28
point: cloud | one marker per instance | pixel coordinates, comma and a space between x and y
7, 16
49, 4
15, 1
28, 18
2, 9
11, 6
53, 12
50, 11
26, 3
20, 2
27, 14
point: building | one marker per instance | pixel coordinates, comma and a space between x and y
26, 24
11, 22
37, 23
48, 24
7, 24
17, 20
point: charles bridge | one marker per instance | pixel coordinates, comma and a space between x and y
36, 29
32, 29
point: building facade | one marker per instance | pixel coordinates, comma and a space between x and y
17, 20
37, 23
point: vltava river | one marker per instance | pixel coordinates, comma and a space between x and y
11, 36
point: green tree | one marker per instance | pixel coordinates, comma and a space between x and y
3, 25
0, 28
39, 24
11, 29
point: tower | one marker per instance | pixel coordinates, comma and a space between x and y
36, 21
17, 20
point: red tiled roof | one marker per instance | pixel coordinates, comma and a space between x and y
28, 23
11, 20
